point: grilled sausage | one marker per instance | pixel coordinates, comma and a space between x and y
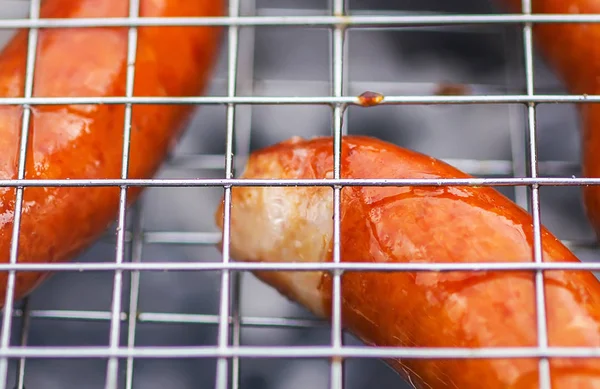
85, 141
571, 50
415, 225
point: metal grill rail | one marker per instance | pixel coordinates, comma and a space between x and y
242, 96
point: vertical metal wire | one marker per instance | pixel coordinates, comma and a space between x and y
34, 13
337, 366
115, 321
137, 244
232, 63
26, 321
542, 331
236, 328
243, 128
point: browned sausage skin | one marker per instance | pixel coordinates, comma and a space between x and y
571, 49
417, 225
85, 141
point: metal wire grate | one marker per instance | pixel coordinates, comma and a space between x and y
213, 300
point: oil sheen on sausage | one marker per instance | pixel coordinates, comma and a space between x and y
86, 141
571, 50
417, 225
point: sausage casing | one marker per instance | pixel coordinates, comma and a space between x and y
439, 224
86, 141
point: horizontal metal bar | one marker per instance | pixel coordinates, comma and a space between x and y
172, 237
69, 315
304, 100
173, 318
246, 321
180, 237
304, 21
301, 352
331, 182
303, 266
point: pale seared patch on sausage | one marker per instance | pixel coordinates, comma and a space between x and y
282, 224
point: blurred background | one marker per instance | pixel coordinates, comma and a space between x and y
176, 224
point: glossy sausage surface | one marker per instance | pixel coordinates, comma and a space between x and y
572, 51
86, 141
416, 225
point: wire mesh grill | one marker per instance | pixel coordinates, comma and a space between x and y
154, 303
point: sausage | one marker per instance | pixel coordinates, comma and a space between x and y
440, 224
571, 51
85, 141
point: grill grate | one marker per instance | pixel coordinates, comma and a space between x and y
128, 263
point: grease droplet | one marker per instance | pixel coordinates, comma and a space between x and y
369, 99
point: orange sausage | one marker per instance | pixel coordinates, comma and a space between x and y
416, 225
85, 141
571, 49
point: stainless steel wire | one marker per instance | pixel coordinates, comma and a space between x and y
351, 21
20, 371
331, 182
243, 128
137, 244
34, 11
117, 295
338, 61
540, 300
305, 100
304, 352
161, 317
308, 266
239, 102
221, 381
